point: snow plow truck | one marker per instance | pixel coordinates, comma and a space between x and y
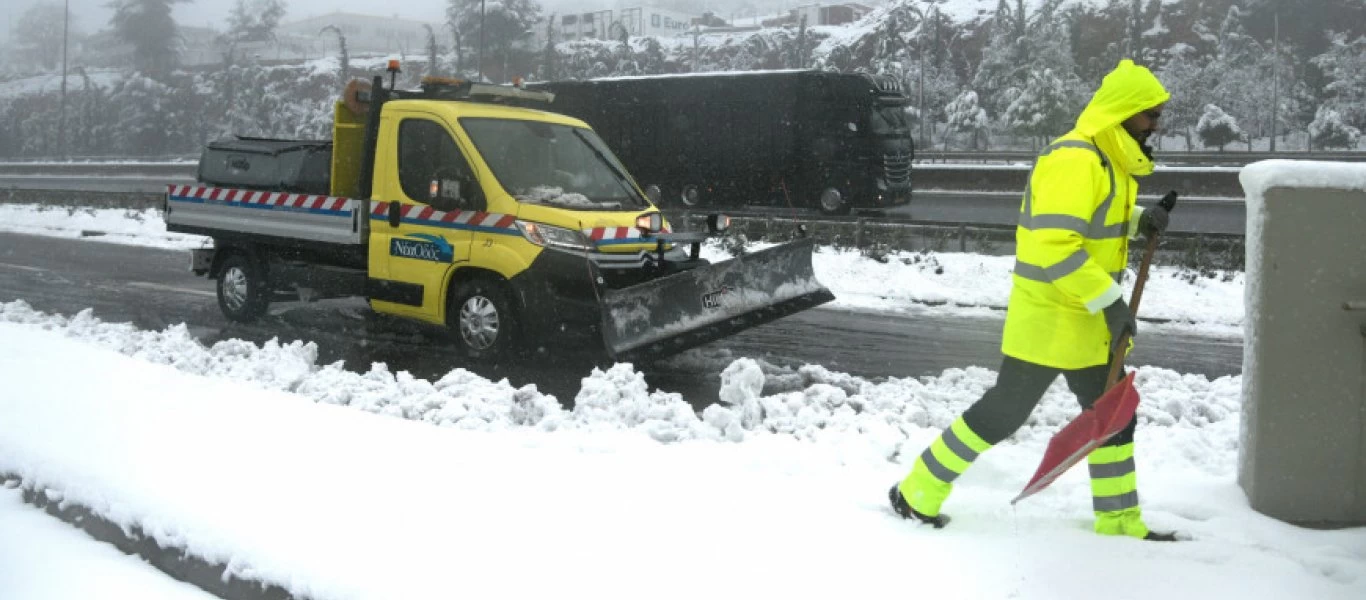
465, 205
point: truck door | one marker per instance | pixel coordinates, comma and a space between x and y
411, 262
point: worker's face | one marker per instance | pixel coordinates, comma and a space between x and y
1143, 124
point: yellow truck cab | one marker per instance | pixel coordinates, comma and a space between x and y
460, 205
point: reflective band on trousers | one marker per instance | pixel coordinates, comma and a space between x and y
1114, 503
1116, 469
1095, 229
956, 446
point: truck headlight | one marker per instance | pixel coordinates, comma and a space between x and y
717, 223
554, 237
650, 223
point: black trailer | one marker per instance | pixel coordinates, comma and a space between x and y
799, 138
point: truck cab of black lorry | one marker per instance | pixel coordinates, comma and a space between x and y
797, 138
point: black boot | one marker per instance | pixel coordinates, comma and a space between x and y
1162, 536
902, 508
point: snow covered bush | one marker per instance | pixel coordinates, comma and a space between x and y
964, 115
1217, 128
1329, 131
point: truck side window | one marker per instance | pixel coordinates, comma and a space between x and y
426, 152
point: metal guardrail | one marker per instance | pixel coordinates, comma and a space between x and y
104, 159
186, 164
1162, 157
178, 170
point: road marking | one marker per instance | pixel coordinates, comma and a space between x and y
169, 288
23, 268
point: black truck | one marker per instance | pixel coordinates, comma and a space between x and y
799, 138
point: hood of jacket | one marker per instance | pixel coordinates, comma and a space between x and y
1125, 92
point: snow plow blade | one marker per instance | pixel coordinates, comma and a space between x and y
688, 309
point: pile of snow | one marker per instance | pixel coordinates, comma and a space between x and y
255, 457
830, 406
140, 227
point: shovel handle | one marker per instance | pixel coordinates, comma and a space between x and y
1167, 202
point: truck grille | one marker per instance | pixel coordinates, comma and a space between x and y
897, 167
885, 84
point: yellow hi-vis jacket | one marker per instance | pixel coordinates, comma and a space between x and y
1075, 220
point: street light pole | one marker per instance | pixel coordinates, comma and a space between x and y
66, 26
481, 40
1275, 76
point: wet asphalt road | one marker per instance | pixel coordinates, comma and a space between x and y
153, 289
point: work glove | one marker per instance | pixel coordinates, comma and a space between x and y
1153, 221
1120, 320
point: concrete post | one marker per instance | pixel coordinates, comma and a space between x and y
1303, 436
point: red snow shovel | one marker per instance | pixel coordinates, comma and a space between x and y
1110, 413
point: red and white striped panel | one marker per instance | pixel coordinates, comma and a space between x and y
601, 234
470, 218
261, 198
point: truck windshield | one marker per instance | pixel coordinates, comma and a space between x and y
888, 119
559, 165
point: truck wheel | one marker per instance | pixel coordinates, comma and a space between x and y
831, 202
690, 196
482, 318
242, 289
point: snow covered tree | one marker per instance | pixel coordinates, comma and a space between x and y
38, 35
548, 61
1155, 35
433, 51
1020, 44
147, 25
89, 130
1002, 57
1042, 109
800, 51
1307, 26
1329, 131
139, 118
504, 24
1217, 128
1238, 72
1190, 85
964, 115
1344, 67
651, 56
1133, 28
254, 20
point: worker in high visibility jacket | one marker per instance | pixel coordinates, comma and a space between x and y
1066, 307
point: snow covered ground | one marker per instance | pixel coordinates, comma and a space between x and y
335, 483
42, 558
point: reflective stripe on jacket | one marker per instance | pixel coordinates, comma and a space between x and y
1075, 220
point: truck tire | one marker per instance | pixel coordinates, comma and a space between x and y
243, 294
482, 319
832, 202
690, 196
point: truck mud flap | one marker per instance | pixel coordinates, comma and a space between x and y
674, 313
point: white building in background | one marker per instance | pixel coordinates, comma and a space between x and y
612, 24
821, 14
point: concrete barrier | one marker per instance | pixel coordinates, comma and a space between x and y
83, 199
1192, 181
1303, 444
